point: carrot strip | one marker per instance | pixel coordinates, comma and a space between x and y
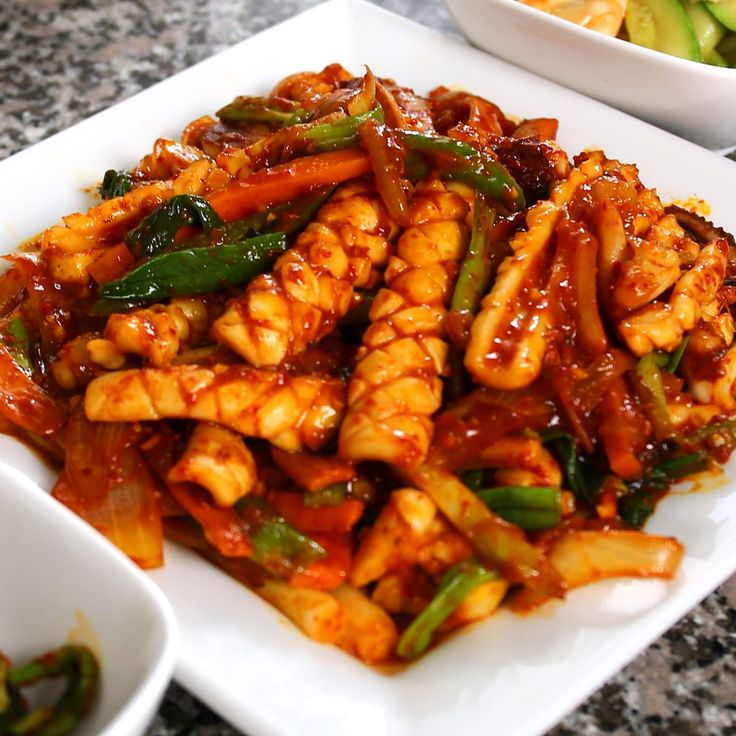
340, 518
288, 181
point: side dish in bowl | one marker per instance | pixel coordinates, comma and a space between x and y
694, 100
108, 633
392, 361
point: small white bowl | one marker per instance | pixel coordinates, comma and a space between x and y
64, 582
694, 100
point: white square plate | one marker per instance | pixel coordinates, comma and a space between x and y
513, 676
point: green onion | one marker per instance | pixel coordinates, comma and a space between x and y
115, 184
454, 588
529, 507
676, 357
332, 495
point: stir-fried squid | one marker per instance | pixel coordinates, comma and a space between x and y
391, 361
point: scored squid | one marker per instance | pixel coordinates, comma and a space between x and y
396, 385
311, 286
292, 412
508, 338
156, 333
661, 325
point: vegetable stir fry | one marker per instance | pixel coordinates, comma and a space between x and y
391, 361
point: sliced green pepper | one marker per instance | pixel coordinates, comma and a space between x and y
530, 508
474, 479
196, 270
80, 670
650, 389
157, 231
476, 269
454, 588
277, 546
115, 184
14, 336
274, 110
342, 133
472, 167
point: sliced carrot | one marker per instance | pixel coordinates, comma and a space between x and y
283, 183
340, 518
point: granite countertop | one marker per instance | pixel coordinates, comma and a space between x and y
62, 60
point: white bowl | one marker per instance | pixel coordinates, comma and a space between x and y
694, 100
63, 582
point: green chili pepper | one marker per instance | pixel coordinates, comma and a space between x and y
332, 495
79, 668
456, 584
14, 337
676, 357
115, 184
583, 480
157, 231
528, 507
278, 111
467, 164
636, 507
196, 270
476, 269
277, 546
650, 389
342, 133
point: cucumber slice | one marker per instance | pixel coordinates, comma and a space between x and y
725, 12
662, 25
708, 30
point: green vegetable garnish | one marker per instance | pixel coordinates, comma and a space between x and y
196, 270
76, 665
676, 356
14, 337
277, 546
332, 495
650, 389
456, 584
480, 262
467, 164
582, 479
274, 110
115, 184
157, 231
474, 479
528, 507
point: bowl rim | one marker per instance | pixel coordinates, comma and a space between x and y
614, 43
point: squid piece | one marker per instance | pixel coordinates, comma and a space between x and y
654, 267
310, 87
168, 159
311, 286
395, 535
396, 386
217, 459
156, 333
508, 338
73, 367
292, 412
70, 249
662, 325
370, 633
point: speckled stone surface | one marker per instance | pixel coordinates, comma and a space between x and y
62, 60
